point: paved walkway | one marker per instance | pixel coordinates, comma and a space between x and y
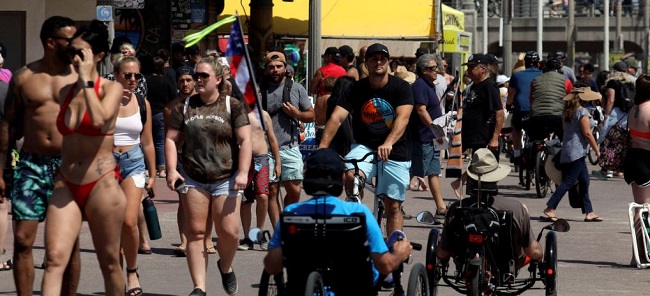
593, 257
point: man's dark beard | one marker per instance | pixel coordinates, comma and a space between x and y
63, 56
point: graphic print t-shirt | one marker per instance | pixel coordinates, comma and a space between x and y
479, 113
210, 150
374, 112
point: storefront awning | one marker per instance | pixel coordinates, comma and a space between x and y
374, 19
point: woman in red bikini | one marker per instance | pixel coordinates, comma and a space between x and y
636, 166
86, 185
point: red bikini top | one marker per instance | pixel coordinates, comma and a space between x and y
86, 127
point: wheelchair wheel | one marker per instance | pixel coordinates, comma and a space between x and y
591, 154
550, 264
314, 286
418, 283
433, 272
271, 285
541, 180
474, 279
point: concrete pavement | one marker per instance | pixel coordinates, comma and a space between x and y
593, 257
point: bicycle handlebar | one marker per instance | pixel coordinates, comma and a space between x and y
353, 160
416, 246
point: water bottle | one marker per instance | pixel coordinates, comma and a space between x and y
151, 216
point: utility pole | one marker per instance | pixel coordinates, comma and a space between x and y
618, 45
485, 25
605, 62
571, 34
540, 26
646, 29
506, 12
314, 39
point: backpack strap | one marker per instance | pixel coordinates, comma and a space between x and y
228, 104
143, 107
286, 92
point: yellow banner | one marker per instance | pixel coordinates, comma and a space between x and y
452, 19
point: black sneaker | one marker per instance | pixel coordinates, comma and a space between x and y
229, 280
245, 245
197, 292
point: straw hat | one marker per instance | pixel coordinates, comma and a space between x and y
407, 76
552, 172
485, 165
584, 93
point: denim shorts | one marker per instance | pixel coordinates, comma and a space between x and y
221, 187
425, 160
392, 176
292, 165
131, 165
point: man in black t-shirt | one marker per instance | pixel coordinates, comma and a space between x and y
482, 109
380, 105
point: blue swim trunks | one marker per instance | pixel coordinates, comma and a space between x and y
33, 185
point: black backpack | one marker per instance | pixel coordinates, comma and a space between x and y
626, 100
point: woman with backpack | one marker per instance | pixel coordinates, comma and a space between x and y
133, 147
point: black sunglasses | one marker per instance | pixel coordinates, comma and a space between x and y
128, 76
73, 51
201, 75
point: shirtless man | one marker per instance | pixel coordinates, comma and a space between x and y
32, 107
258, 177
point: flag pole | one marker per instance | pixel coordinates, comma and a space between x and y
258, 101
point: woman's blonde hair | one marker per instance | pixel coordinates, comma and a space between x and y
117, 56
218, 71
123, 60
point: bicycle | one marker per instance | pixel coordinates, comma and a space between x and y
533, 158
359, 184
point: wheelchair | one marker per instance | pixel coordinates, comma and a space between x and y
329, 255
483, 255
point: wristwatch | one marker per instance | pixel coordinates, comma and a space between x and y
88, 84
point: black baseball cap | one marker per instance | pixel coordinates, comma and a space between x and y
421, 51
323, 173
334, 52
492, 59
346, 50
184, 70
477, 58
375, 48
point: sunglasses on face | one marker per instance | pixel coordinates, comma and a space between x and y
432, 68
128, 76
201, 75
62, 38
73, 51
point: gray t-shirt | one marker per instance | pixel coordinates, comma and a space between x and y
285, 127
574, 144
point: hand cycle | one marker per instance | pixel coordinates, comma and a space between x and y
418, 283
359, 183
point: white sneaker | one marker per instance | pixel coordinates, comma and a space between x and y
610, 174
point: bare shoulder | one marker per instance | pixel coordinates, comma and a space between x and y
21, 75
109, 86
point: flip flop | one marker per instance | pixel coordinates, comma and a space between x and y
594, 219
545, 218
211, 250
144, 252
179, 252
7, 265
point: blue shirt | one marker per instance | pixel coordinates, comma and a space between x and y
520, 81
574, 143
424, 93
338, 207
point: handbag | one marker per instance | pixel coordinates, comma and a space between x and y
614, 147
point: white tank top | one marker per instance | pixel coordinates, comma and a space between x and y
127, 130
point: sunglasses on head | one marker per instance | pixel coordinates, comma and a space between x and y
128, 75
201, 75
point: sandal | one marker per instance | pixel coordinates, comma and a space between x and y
7, 265
137, 290
179, 252
210, 250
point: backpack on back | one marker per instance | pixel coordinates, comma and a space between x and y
626, 100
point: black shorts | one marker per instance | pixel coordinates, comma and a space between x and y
636, 167
539, 127
516, 119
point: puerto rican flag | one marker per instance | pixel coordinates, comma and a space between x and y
239, 68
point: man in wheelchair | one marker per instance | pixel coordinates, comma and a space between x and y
323, 179
484, 172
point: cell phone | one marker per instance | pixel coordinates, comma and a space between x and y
178, 185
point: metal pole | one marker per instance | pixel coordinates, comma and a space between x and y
571, 34
618, 45
506, 12
605, 62
485, 26
540, 25
314, 38
646, 28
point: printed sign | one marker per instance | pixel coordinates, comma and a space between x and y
129, 4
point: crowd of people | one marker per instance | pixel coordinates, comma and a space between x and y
180, 116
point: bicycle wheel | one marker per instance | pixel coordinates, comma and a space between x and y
271, 285
314, 286
380, 214
541, 180
434, 273
550, 264
418, 282
591, 154
473, 280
